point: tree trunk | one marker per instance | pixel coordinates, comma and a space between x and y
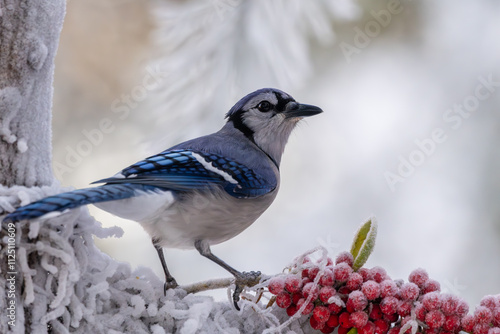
29, 36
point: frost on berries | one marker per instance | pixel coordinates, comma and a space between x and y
357, 301
292, 284
334, 296
388, 288
371, 289
345, 257
276, 285
419, 277
409, 291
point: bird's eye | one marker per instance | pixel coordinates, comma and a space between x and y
264, 106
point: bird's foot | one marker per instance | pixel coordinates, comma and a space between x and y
249, 279
170, 283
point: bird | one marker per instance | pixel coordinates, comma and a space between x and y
201, 192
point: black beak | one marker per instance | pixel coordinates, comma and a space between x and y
301, 110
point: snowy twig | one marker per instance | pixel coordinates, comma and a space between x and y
213, 284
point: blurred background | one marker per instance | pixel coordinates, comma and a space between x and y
410, 130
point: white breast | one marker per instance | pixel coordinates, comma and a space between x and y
178, 221
215, 218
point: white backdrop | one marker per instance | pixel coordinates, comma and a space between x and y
410, 92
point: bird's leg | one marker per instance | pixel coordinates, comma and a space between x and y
170, 282
242, 279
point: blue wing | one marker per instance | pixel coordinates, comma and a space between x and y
184, 170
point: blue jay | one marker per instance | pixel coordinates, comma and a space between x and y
203, 191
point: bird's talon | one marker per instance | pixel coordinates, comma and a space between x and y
169, 284
236, 296
249, 279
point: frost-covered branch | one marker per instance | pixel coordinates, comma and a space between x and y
208, 285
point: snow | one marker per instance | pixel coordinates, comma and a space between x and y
22, 145
10, 102
37, 53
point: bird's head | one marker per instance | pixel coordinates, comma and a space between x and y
267, 117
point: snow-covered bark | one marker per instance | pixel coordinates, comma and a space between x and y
29, 36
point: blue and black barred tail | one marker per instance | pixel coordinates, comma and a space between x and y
54, 205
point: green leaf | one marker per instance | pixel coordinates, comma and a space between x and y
363, 243
353, 331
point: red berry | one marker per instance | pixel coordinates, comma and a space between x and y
313, 272
327, 278
381, 326
462, 308
481, 328
327, 329
333, 321
468, 322
369, 328
343, 330
482, 315
296, 297
434, 319
276, 285
344, 290
345, 257
430, 286
325, 293
354, 281
291, 310
321, 313
357, 301
394, 330
404, 307
451, 323
344, 320
378, 274
430, 331
388, 288
389, 305
489, 301
420, 312
376, 312
358, 319
449, 304
391, 318
308, 306
284, 299
409, 291
312, 290
419, 277
496, 317
371, 289
365, 273
334, 308
293, 284
431, 301
305, 273
315, 324
341, 272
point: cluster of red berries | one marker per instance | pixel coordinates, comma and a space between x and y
334, 295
